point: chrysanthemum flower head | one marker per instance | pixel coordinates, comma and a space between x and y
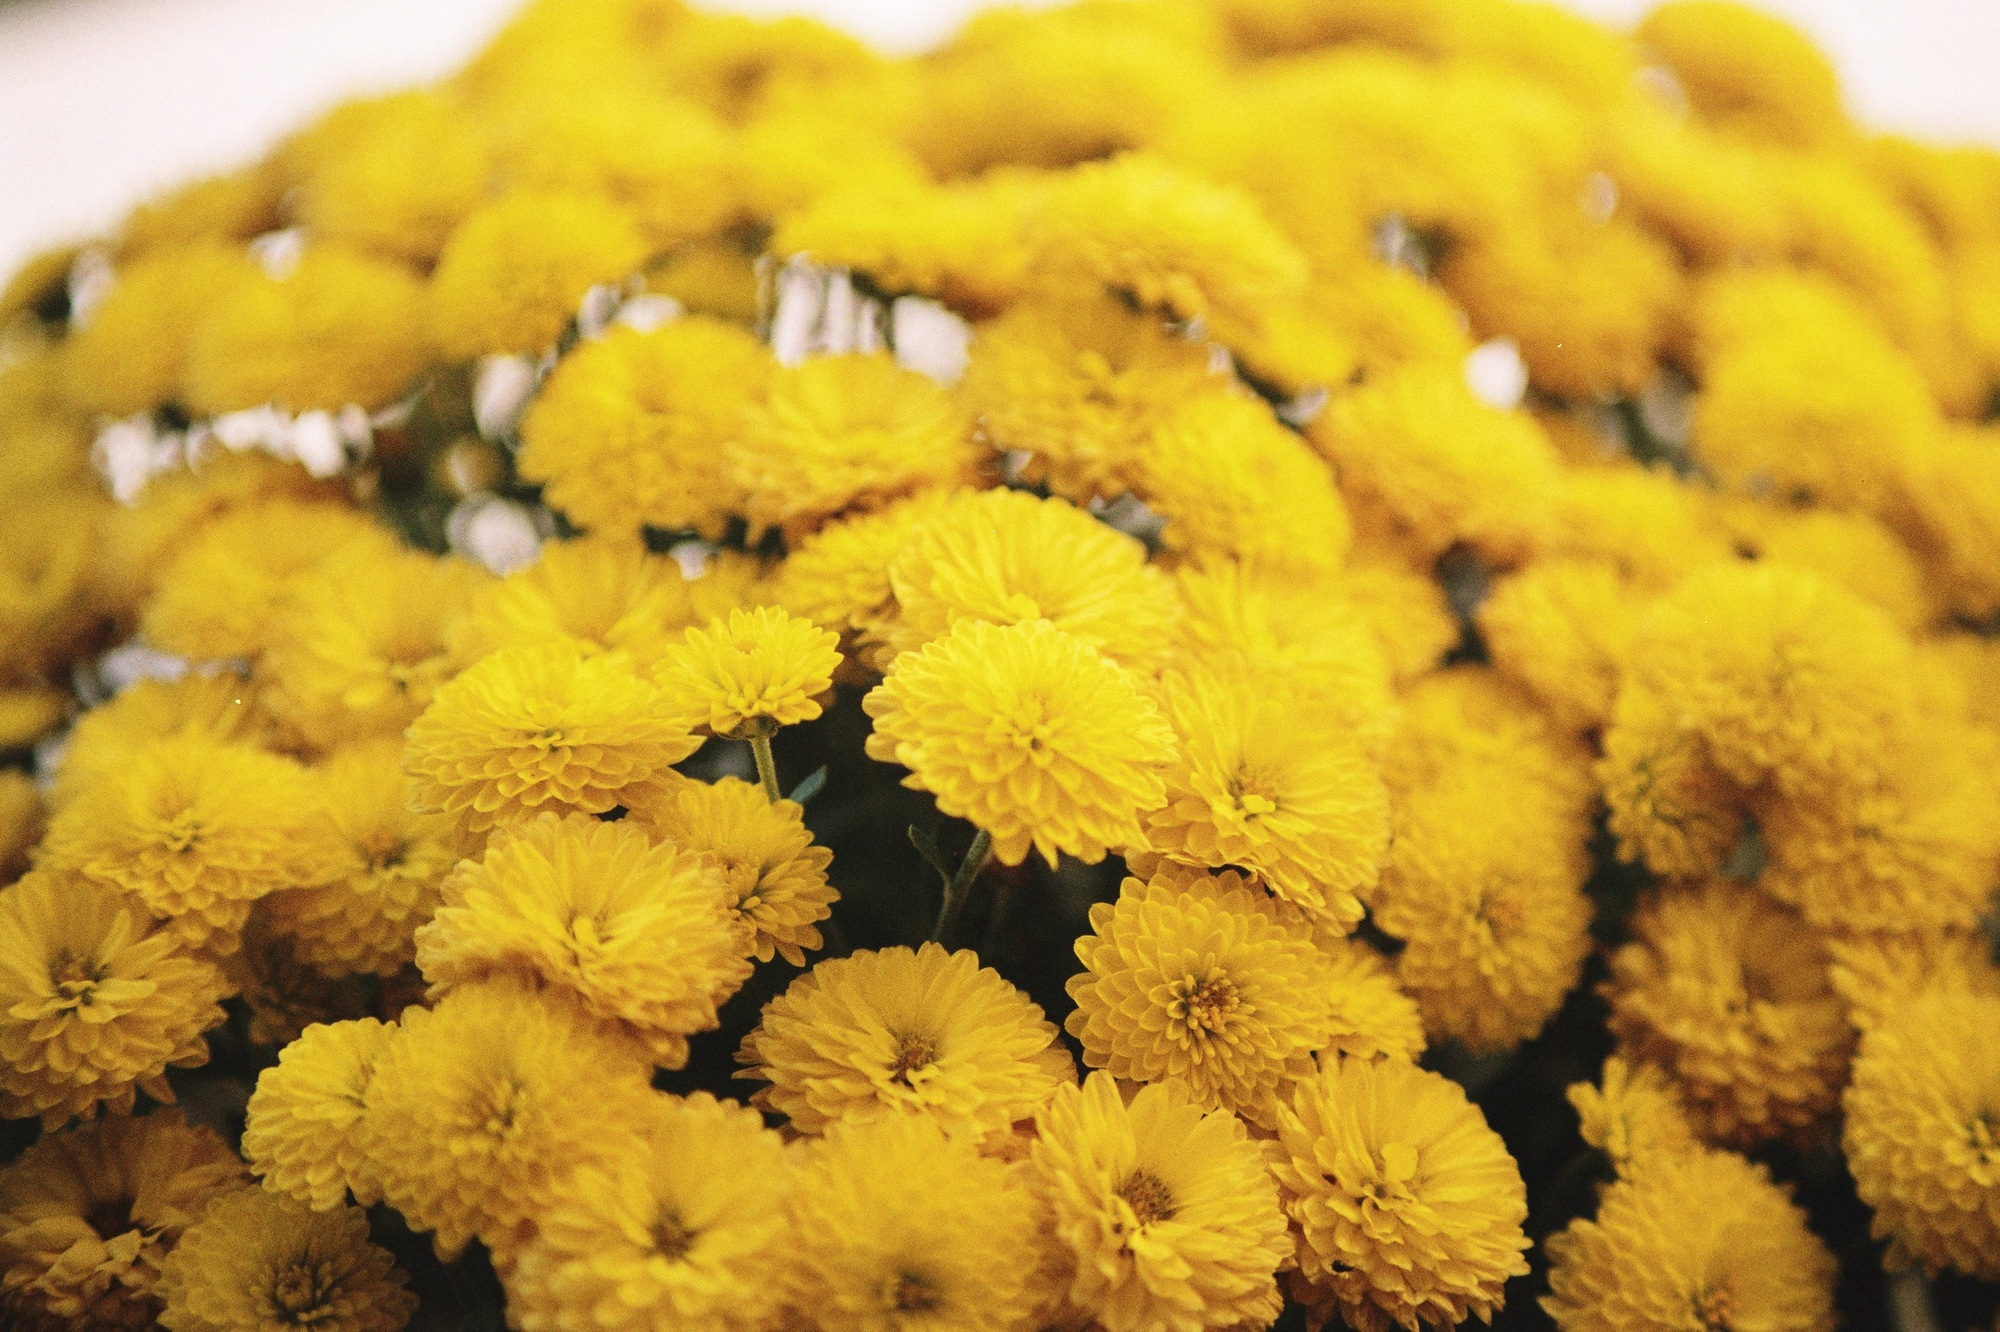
1165, 240
1030, 733
1633, 1115
95, 999
1006, 556
631, 429
1563, 629
1297, 805
540, 727
196, 829
359, 647
928, 1033
1694, 1239
1165, 1213
1728, 993
662, 1236
1670, 806
840, 432
750, 674
1372, 1015
958, 243
304, 1137
393, 175
1204, 982
129, 356
1747, 71
839, 576
341, 328
474, 1118
220, 704
1920, 1135
1878, 975
913, 1227
640, 935
87, 1215
1406, 1205
514, 272
772, 873
257, 1260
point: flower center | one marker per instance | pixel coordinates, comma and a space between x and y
299, 1294
671, 1237
110, 1217
73, 978
910, 1293
1149, 1197
1716, 1309
912, 1053
1206, 1003
383, 849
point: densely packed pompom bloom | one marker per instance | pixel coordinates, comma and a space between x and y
196, 829
1271, 785
772, 873
1691, 1239
1878, 975
1632, 1116
1206, 982
1006, 557
839, 576
86, 1215
1728, 993
912, 1227
1920, 1131
662, 1236
1407, 1207
258, 1260
1165, 1213
840, 432
640, 934
363, 919
513, 273
604, 593
928, 1033
631, 430
1030, 733
1372, 1015
303, 1136
540, 727
750, 674
473, 1117
1669, 806
95, 1000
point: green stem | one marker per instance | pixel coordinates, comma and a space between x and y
960, 886
767, 767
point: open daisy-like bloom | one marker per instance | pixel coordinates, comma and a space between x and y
258, 1259
1205, 983
1028, 732
928, 1033
1165, 1211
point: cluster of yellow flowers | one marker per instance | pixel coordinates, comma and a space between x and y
1438, 538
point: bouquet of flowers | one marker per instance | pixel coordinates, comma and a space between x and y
1186, 665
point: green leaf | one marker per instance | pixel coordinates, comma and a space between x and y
810, 787
927, 847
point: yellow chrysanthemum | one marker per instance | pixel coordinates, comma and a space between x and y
641, 935
1563, 629
341, 328
1728, 992
220, 705
94, 1000
1670, 807
1697, 1239
1029, 733
1165, 1212
631, 429
1006, 556
196, 829
1406, 1206
390, 174
87, 1215
1879, 975
540, 727
364, 919
839, 576
513, 274
1232, 483
1258, 786
1078, 386
304, 1135
1634, 1116
128, 357
958, 243
1920, 1132
1746, 71
1207, 983
750, 674
916, 1227
928, 1033
1163, 239
840, 432
477, 1114
257, 1260
359, 646
218, 596
604, 593
1372, 1016
772, 873
285, 996
662, 1237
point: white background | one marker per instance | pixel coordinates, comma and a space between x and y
105, 101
